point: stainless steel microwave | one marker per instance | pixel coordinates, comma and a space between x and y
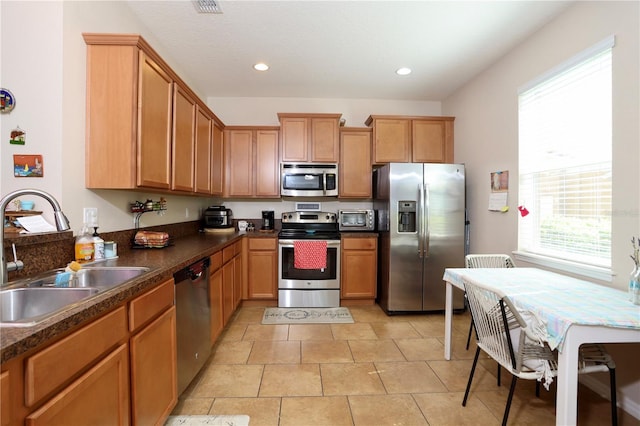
309, 180
356, 220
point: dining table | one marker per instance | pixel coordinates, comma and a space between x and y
574, 312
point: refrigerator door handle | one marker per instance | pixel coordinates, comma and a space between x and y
419, 220
425, 218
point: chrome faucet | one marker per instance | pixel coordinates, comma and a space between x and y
62, 224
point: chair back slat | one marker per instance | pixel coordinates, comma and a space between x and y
488, 261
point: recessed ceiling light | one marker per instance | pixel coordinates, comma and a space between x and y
261, 66
403, 71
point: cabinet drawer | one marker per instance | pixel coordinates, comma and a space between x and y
149, 305
100, 396
262, 243
359, 243
52, 367
216, 261
228, 253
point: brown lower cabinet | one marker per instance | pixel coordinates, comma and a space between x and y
262, 266
358, 269
216, 297
108, 372
99, 397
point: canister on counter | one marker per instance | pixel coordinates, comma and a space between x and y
110, 249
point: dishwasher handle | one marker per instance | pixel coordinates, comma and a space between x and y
194, 272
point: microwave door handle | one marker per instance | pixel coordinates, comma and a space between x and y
324, 183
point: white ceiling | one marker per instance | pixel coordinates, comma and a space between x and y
340, 49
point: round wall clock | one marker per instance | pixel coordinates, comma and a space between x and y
7, 100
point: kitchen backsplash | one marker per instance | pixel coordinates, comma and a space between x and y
253, 209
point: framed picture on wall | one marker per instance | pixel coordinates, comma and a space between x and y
28, 166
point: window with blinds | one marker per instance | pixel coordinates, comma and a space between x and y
565, 160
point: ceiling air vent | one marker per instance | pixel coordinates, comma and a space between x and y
207, 6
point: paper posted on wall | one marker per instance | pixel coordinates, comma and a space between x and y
499, 191
34, 224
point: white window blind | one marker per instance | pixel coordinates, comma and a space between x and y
565, 160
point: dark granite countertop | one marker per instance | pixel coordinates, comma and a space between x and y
15, 341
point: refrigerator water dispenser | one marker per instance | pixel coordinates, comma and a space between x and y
406, 216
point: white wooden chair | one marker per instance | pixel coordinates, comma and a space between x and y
517, 341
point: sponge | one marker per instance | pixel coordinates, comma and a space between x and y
63, 279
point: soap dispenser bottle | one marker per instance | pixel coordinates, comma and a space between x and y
84, 245
98, 245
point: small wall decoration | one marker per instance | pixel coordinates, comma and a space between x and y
28, 166
18, 136
499, 191
7, 100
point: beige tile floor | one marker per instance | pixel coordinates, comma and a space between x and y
380, 370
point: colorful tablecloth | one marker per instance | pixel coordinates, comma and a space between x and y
558, 300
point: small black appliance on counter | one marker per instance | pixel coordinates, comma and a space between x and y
217, 217
267, 220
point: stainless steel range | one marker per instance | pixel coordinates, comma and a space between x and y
309, 267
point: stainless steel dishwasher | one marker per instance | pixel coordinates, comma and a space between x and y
193, 320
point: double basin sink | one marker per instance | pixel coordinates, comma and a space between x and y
32, 300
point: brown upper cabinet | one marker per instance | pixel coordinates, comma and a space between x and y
145, 127
405, 139
355, 163
184, 135
308, 138
251, 162
217, 160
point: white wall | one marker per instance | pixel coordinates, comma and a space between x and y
36, 83
486, 111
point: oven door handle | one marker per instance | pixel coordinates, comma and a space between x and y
289, 243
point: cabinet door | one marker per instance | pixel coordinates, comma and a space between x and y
267, 167
154, 125
5, 399
216, 300
359, 268
429, 141
294, 138
184, 115
51, 368
154, 371
98, 397
355, 164
262, 266
239, 152
228, 270
112, 116
217, 161
203, 152
391, 141
237, 280
324, 140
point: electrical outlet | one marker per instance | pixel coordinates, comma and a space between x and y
186, 212
90, 215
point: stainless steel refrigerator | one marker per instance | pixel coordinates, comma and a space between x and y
421, 222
